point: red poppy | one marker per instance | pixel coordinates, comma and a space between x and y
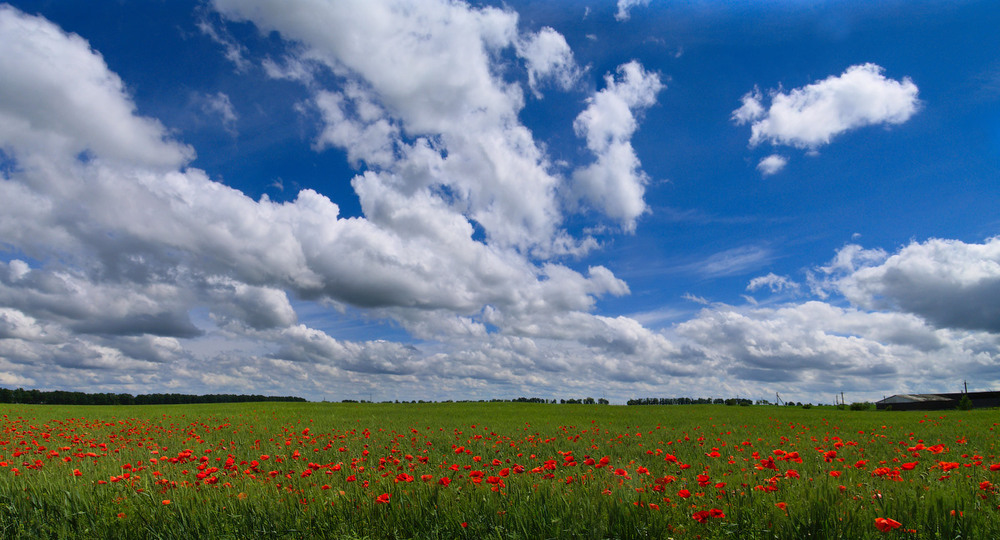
886, 524
382, 499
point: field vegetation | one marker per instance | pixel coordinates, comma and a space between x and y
496, 470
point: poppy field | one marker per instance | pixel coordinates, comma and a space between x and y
496, 470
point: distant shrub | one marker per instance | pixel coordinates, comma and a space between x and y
965, 403
862, 406
807, 406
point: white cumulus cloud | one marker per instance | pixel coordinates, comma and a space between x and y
548, 58
810, 116
614, 183
950, 283
772, 164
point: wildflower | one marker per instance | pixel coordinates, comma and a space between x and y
165, 502
382, 499
683, 493
886, 524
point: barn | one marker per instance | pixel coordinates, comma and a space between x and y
934, 402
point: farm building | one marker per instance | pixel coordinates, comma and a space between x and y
931, 402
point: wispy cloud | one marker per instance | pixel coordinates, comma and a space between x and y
732, 262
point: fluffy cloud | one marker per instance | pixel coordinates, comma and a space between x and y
114, 285
59, 94
624, 6
811, 116
425, 104
951, 284
548, 57
815, 346
772, 164
614, 183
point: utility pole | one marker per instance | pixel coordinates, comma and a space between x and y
966, 383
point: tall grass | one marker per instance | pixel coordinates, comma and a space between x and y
513, 471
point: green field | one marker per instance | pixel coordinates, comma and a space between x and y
495, 470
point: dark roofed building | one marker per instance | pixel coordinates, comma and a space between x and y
933, 402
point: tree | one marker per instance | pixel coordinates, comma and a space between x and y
965, 403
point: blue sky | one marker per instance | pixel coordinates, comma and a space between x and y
452, 200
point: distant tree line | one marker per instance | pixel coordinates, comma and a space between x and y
583, 401
61, 397
743, 402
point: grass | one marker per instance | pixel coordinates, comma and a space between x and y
314, 470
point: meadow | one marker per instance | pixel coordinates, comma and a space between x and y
496, 470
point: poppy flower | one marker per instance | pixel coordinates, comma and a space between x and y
886, 524
382, 499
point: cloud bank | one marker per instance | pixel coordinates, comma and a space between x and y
126, 268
